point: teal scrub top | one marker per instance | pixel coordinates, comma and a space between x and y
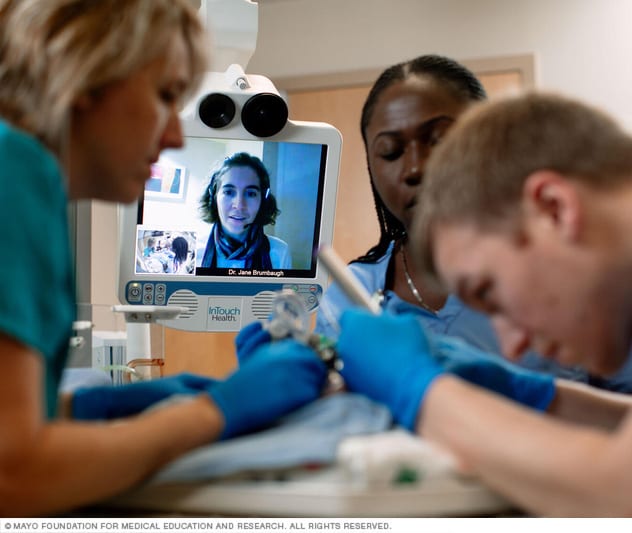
37, 298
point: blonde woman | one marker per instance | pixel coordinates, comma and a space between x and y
89, 96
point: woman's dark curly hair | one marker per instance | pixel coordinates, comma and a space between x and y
268, 211
454, 77
180, 247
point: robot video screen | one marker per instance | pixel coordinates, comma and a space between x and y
234, 208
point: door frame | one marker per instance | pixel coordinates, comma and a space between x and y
522, 63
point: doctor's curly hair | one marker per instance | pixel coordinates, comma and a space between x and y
268, 211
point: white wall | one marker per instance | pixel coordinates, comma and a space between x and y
582, 47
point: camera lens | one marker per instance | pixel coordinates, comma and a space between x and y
264, 114
217, 110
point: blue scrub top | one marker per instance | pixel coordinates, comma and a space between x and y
37, 298
453, 318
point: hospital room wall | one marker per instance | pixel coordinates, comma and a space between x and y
580, 48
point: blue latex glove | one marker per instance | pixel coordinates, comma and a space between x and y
108, 402
249, 339
490, 371
377, 354
387, 358
275, 379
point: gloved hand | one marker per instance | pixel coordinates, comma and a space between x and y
490, 371
108, 402
275, 379
387, 358
376, 349
249, 339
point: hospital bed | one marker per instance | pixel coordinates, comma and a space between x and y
360, 467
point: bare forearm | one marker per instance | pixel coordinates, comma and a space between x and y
582, 404
545, 466
73, 464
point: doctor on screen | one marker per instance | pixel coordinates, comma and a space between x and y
238, 203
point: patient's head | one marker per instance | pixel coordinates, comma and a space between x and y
524, 214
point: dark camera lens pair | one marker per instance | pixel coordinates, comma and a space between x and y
263, 115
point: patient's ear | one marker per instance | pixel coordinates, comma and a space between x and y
552, 200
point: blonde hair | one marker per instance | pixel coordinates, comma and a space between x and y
54, 51
476, 175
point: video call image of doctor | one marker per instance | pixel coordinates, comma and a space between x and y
238, 203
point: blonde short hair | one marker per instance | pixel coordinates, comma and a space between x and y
476, 175
54, 51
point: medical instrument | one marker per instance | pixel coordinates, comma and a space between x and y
347, 281
290, 318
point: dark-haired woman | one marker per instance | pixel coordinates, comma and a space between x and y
180, 250
409, 108
238, 203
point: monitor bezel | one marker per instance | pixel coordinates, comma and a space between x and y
247, 286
